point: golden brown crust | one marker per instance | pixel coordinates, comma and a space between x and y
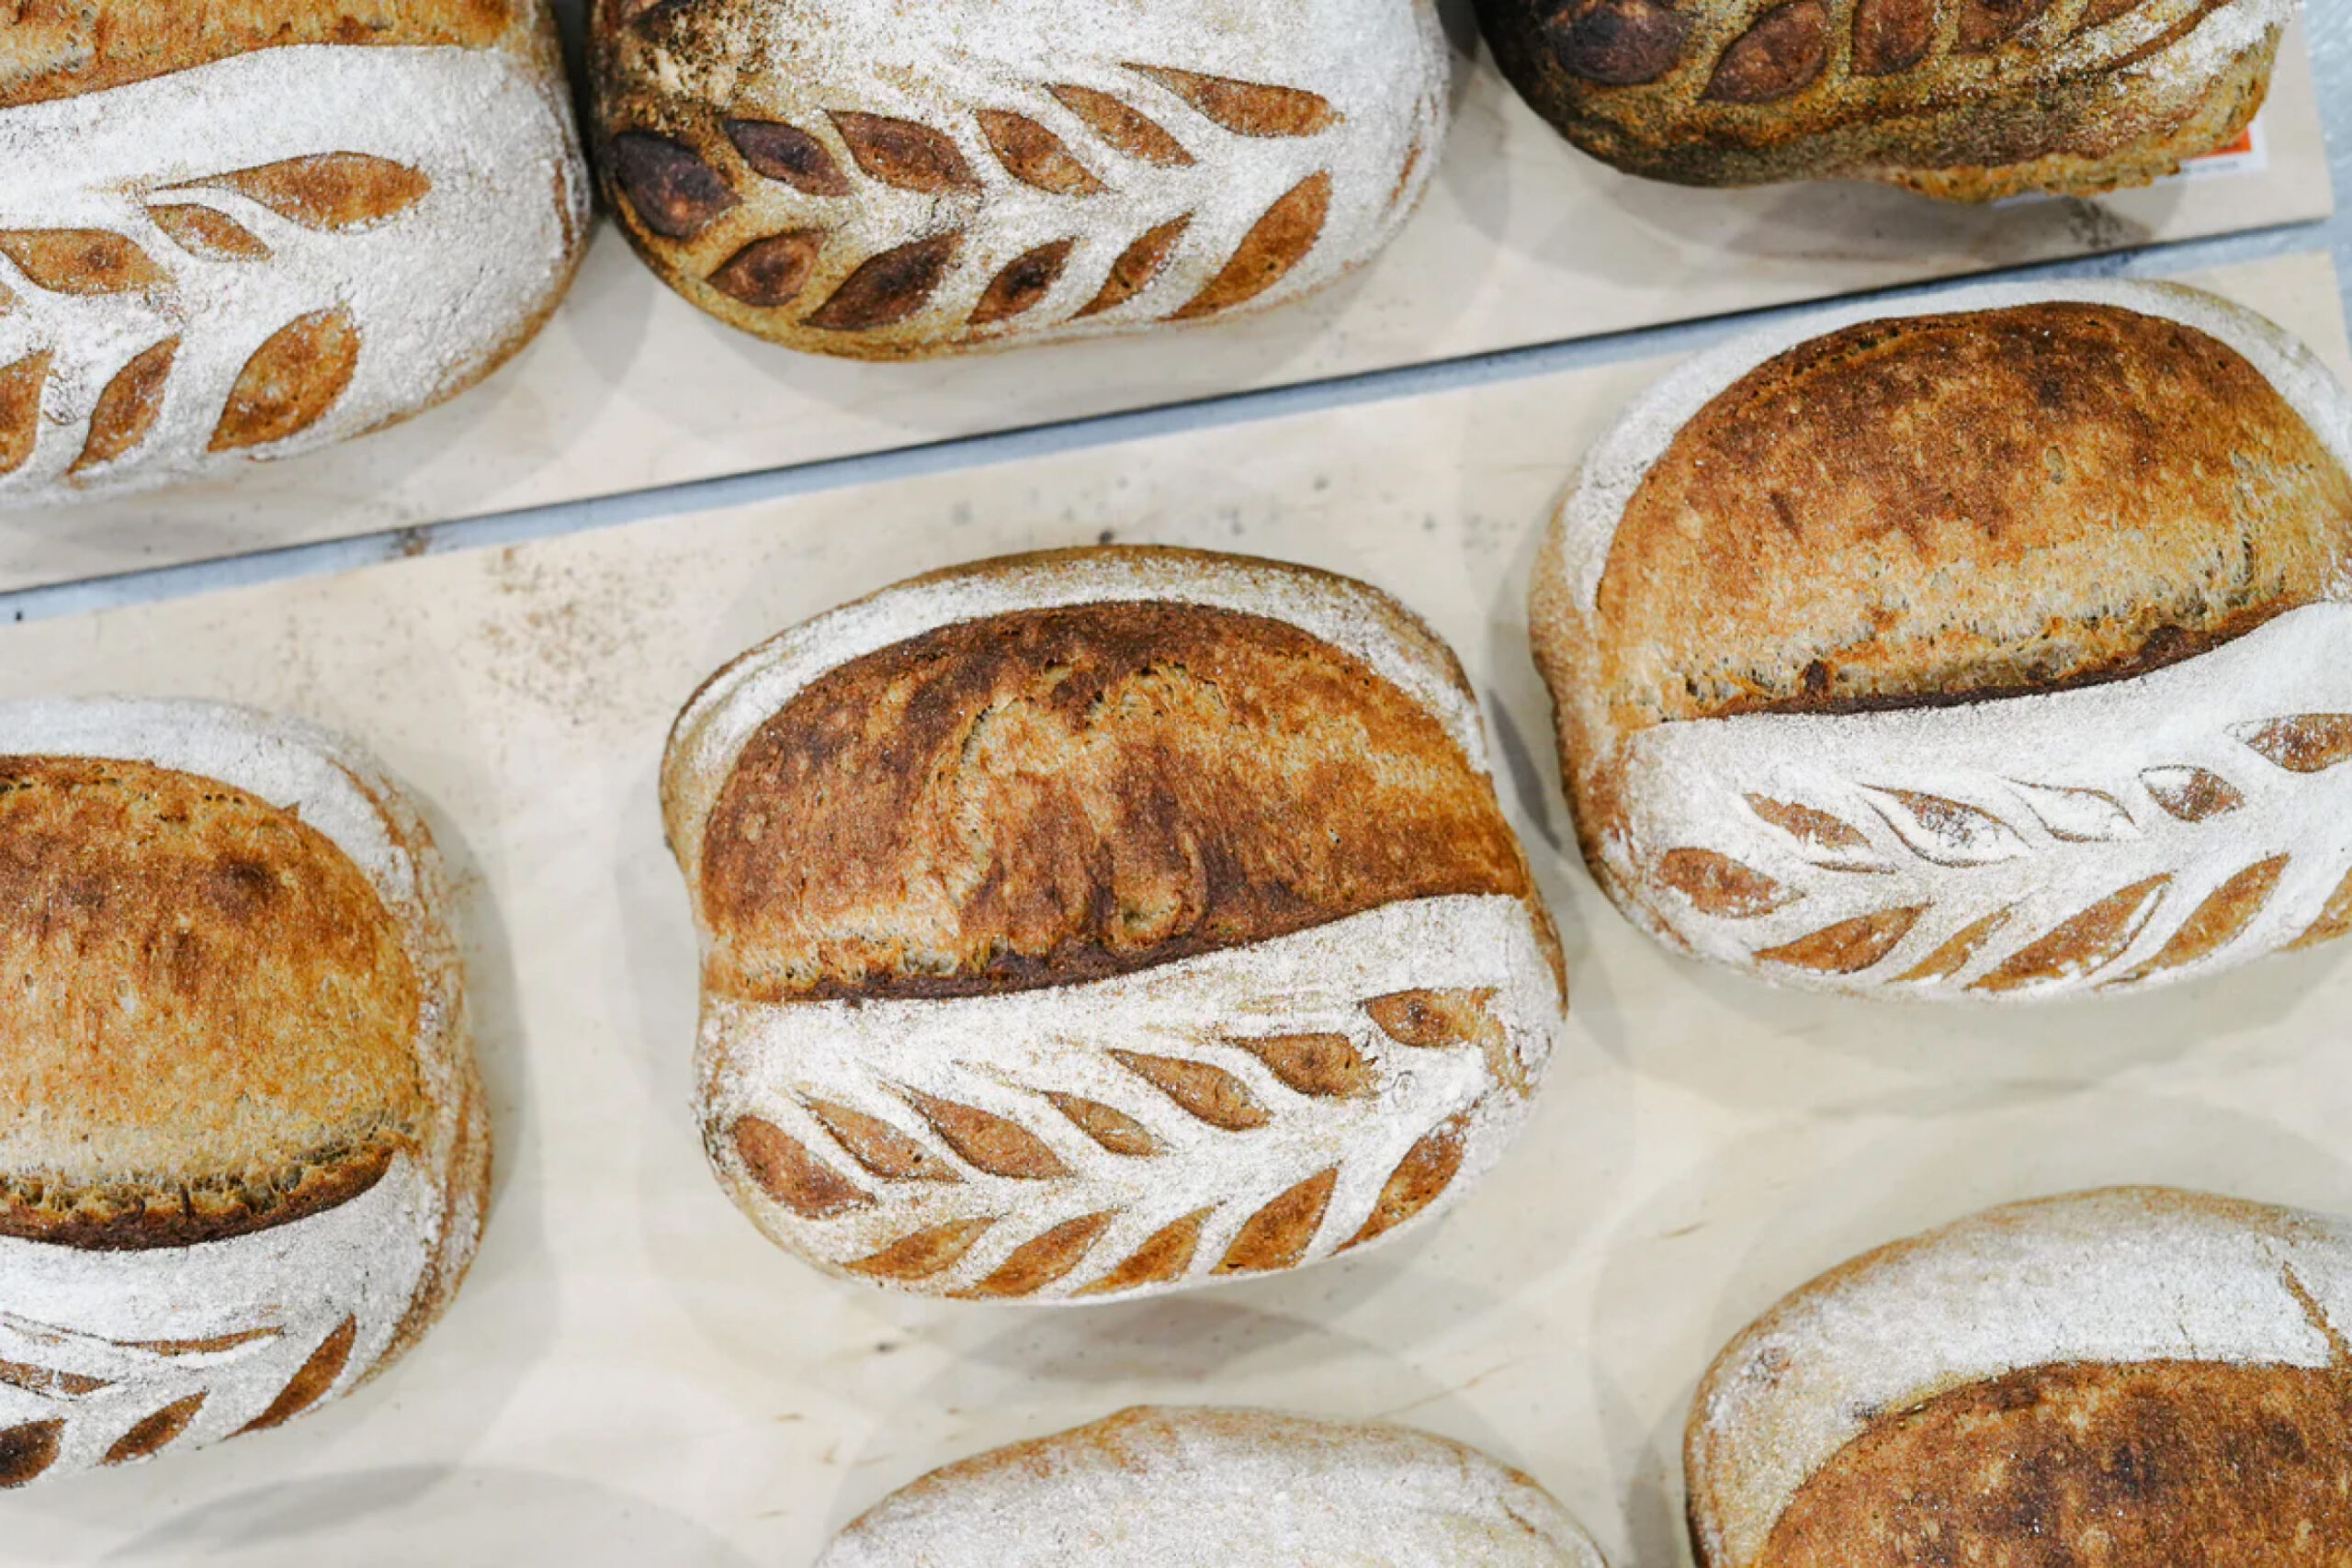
2159, 1462
212, 1014
61, 48
1052, 796
1964, 99
1948, 508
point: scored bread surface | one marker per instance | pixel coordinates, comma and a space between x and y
247, 1155
874, 180
1205, 1488
1038, 961
2157, 1375
236, 231
1993, 653
1970, 100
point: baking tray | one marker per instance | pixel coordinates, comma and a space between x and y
633, 1377
1522, 240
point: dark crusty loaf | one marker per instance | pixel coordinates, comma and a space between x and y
243, 1149
885, 181
1963, 99
1171, 1488
243, 229
1882, 656
1090, 922
2130, 1376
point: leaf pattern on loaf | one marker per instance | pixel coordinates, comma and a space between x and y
151, 1390
1071, 142
1791, 47
2176, 870
1085, 1169
434, 194
290, 380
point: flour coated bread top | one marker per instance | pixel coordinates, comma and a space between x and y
245, 1155
2136, 1374
243, 229
1969, 100
872, 179
1979, 652
1087, 922
1202, 1488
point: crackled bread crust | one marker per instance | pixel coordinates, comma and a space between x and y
60, 49
1052, 796
1969, 100
1954, 507
1987, 652
1189, 1488
1093, 785
213, 1028
2136, 1375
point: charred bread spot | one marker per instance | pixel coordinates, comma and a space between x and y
1893, 35
1615, 43
667, 184
786, 153
1784, 53
771, 272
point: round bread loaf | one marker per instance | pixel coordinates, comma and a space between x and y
886, 181
249, 228
1092, 923
2130, 1376
1188, 1488
243, 1153
1968, 100
2000, 652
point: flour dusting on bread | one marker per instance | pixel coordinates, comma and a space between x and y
1207, 1488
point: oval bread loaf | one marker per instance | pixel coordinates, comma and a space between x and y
2002, 653
1968, 100
1188, 1488
243, 1154
885, 181
1098, 922
246, 230
2130, 1376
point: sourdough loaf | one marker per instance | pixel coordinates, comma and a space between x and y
246, 229
1998, 652
2130, 1376
1097, 922
879, 180
243, 1147
1188, 1488
1968, 100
